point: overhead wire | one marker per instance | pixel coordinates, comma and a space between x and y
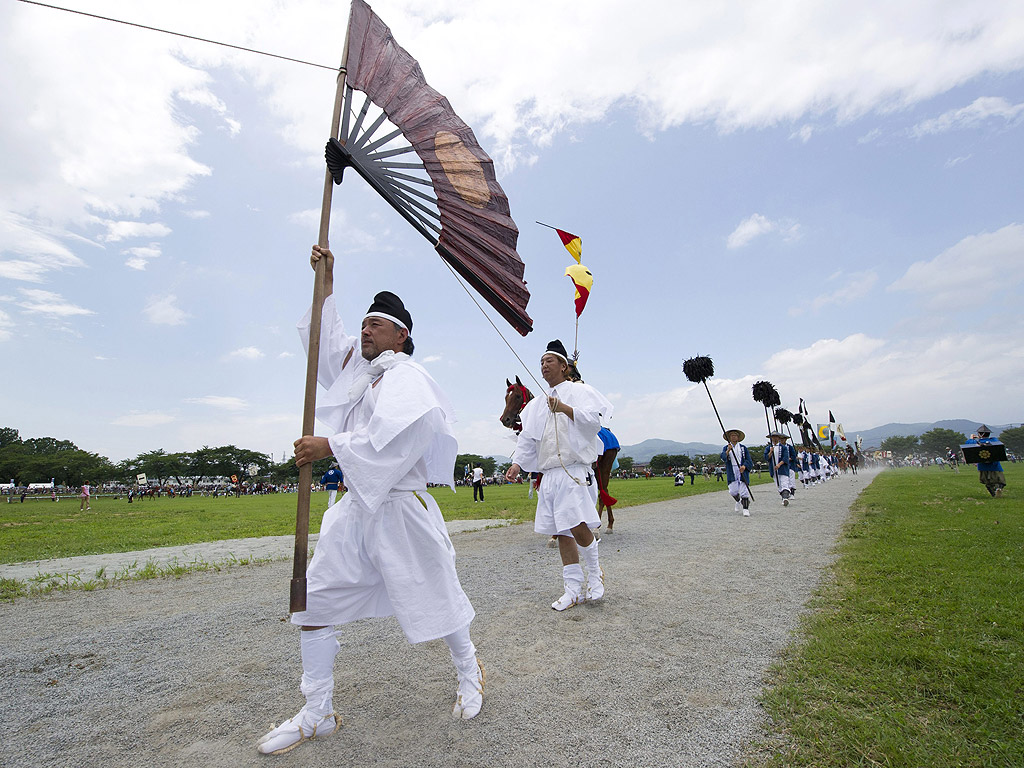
181, 34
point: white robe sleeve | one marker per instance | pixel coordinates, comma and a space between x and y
335, 344
589, 409
526, 453
370, 473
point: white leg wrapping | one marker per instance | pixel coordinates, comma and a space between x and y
572, 577
595, 576
317, 718
469, 696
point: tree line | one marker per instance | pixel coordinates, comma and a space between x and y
40, 459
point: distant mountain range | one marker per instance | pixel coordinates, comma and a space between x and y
642, 452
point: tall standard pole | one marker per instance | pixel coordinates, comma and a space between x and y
297, 600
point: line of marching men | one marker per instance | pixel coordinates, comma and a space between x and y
785, 464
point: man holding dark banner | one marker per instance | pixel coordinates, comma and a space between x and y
990, 471
384, 549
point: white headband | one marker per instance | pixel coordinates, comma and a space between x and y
549, 352
392, 318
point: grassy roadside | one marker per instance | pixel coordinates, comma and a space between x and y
913, 655
41, 529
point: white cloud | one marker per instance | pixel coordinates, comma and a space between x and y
143, 419
988, 263
5, 326
221, 402
36, 243
26, 271
355, 238
977, 112
206, 98
51, 304
139, 257
853, 287
870, 136
430, 359
123, 230
247, 353
757, 225
804, 133
285, 355
953, 162
164, 310
748, 229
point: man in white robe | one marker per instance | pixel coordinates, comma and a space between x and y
383, 549
560, 439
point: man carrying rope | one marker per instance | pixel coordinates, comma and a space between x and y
383, 549
560, 439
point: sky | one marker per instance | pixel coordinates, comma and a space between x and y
824, 195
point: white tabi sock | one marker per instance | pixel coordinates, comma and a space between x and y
572, 577
462, 649
595, 576
316, 719
469, 696
319, 647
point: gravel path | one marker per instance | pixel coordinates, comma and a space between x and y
663, 672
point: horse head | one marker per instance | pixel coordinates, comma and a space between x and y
516, 397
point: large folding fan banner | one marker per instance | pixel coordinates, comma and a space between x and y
428, 165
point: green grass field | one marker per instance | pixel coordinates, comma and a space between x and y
41, 529
914, 654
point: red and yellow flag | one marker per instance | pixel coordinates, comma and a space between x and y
573, 244
583, 281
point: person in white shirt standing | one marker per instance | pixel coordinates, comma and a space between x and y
478, 483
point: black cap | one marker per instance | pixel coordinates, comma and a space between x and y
389, 306
557, 348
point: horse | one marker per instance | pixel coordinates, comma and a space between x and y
516, 398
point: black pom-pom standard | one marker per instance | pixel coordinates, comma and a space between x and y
698, 369
766, 394
798, 419
783, 416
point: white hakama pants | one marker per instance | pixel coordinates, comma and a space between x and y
563, 504
738, 488
397, 561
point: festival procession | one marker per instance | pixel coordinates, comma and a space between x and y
568, 640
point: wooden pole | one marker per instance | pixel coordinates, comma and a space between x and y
771, 448
297, 598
